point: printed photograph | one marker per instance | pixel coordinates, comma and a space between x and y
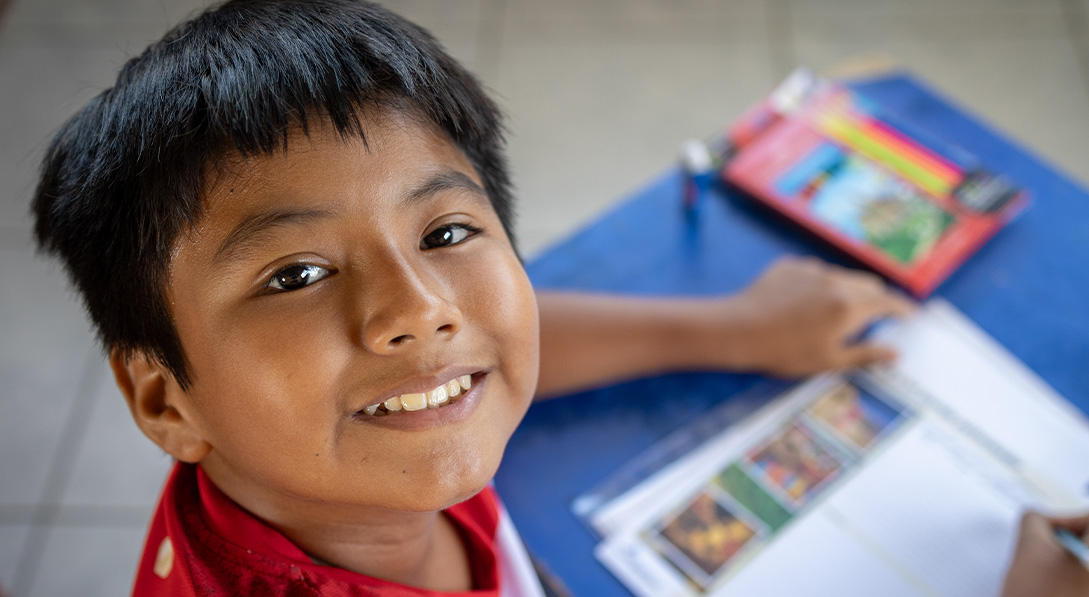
702, 538
853, 415
795, 462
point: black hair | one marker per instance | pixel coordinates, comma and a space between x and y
124, 176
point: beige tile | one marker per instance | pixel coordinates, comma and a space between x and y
97, 13
1077, 18
538, 230
16, 238
591, 122
600, 96
648, 11
44, 347
67, 21
428, 13
12, 541
52, 83
933, 7
642, 21
88, 561
877, 29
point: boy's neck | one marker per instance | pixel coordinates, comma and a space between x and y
418, 549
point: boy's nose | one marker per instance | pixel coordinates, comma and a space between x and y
407, 308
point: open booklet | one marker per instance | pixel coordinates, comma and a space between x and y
904, 480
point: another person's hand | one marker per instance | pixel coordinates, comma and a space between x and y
1041, 565
803, 316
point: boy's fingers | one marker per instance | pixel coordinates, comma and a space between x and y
1079, 525
889, 303
872, 309
1040, 530
1034, 524
1040, 564
877, 298
1036, 534
901, 305
867, 353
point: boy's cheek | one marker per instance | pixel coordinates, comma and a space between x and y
517, 308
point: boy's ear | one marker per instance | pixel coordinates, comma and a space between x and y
154, 399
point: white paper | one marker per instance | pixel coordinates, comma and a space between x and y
952, 360
909, 482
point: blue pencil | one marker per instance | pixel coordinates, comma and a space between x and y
1073, 544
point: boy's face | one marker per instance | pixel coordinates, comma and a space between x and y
333, 277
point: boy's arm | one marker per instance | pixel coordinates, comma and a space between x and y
799, 318
1041, 565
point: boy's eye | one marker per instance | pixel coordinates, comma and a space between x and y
295, 277
450, 234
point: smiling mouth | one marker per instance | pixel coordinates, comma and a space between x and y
438, 397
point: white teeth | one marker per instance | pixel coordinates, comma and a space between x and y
437, 397
414, 401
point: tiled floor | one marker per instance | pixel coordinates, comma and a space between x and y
599, 95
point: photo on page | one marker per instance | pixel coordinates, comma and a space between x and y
769, 482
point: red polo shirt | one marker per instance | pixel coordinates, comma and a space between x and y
202, 543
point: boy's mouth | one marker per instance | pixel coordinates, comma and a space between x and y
438, 397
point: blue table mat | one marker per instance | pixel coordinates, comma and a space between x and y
1028, 288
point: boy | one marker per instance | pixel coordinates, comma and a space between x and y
291, 224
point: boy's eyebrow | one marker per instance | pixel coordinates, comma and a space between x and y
251, 227
246, 232
447, 180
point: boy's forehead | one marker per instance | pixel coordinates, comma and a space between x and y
396, 148
321, 172
304, 145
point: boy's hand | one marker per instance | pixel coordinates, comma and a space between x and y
1041, 565
799, 318
803, 315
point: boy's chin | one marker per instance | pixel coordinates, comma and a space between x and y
436, 500
453, 498
445, 488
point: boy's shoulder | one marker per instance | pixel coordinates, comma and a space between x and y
201, 543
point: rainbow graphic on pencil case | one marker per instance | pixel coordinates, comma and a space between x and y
877, 141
